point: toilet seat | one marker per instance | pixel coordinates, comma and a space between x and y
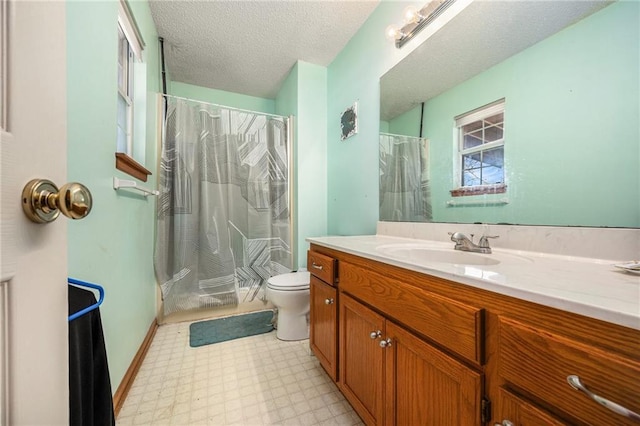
290, 282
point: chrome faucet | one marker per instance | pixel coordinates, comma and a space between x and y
465, 243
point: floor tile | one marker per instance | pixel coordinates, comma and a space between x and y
254, 381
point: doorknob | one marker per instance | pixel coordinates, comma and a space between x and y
42, 202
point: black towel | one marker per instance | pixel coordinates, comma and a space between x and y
90, 401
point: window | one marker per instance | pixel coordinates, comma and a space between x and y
125, 94
130, 140
480, 159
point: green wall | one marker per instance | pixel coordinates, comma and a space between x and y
220, 97
353, 76
572, 127
353, 164
310, 208
286, 103
113, 246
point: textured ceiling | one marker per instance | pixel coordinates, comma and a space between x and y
249, 47
484, 34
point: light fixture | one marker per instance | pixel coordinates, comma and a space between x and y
415, 20
393, 33
412, 15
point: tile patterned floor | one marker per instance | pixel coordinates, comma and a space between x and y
253, 381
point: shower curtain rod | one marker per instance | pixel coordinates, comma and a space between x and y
404, 136
224, 106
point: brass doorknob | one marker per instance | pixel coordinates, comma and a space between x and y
42, 202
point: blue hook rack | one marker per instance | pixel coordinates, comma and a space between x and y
89, 308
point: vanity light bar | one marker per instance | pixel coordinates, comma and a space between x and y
426, 16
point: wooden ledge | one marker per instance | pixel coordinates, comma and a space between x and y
131, 167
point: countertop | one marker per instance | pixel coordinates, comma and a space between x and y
589, 287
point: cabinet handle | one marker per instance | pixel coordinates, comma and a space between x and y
504, 423
313, 265
574, 382
328, 301
385, 343
375, 334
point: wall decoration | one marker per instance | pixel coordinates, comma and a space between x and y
349, 122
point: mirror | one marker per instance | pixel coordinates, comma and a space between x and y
568, 72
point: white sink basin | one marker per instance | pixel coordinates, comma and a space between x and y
427, 253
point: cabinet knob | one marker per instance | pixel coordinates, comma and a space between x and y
375, 334
385, 343
504, 423
42, 201
574, 382
328, 301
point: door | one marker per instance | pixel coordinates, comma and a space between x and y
361, 359
324, 325
33, 266
424, 386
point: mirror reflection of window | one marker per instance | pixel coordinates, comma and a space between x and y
480, 161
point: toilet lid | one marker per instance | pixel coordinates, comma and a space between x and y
290, 281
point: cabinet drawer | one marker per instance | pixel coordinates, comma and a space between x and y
452, 324
323, 267
522, 413
540, 362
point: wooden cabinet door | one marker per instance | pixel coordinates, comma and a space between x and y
424, 386
324, 325
361, 359
521, 413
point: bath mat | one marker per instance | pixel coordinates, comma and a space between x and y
222, 329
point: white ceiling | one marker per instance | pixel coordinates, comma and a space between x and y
485, 33
249, 47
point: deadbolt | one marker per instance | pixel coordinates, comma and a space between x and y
42, 202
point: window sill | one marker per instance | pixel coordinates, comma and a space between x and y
479, 190
128, 165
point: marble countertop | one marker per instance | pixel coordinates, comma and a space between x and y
589, 287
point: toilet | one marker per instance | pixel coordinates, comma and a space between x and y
290, 294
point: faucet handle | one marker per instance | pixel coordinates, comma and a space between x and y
456, 236
484, 240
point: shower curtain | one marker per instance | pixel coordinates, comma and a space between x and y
223, 219
404, 179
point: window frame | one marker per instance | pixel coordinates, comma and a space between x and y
125, 91
465, 119
128, 27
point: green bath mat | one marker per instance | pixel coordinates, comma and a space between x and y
223, 329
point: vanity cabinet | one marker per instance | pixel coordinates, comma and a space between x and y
362, 359
425, 386
323, 316
455, 354
516, 411
393, 377
543, 363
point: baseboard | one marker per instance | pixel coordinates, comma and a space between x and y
132, 371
